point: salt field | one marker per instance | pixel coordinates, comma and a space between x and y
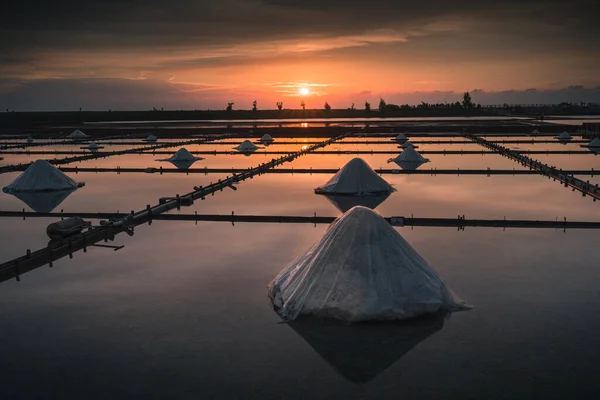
182, 310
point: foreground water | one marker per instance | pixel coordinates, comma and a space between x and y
182, 312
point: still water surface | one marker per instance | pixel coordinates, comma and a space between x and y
182, 311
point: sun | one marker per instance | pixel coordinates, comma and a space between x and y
304, 91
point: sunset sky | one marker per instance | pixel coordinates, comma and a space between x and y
200, 54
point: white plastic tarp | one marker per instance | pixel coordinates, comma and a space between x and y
361, 269
41, 176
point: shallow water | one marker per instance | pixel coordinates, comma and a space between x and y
182, 312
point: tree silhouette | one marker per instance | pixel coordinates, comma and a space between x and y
382, 105
254, 105
229, 107
280, 105
367, 106
327, 107
303, 105
467, 103
352, 107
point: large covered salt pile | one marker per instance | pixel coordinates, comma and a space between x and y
182, 159
409, 159
362, 269
42, 186
355, 178
77, 134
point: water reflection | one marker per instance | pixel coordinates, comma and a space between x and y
360, 352
43, 202
345, 203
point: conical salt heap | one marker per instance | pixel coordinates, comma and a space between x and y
594, 145
41, 176
362, 269
266, 138
93, 146
410, 155
535, 132
407, 144
77, 134
564, 136
355, 178
182, 155
151, 138
401, 138
246, 145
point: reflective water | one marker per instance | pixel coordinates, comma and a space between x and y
182, 312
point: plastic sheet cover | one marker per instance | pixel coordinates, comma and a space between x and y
362, 269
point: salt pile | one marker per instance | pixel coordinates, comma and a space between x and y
41, 176
246, 146
362, 269
355, 178
77, 134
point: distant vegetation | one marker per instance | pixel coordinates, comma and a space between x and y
457, 109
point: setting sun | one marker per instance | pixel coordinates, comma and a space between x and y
304, 91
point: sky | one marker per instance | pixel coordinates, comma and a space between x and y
202, 54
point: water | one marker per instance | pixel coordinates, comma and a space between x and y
182, 312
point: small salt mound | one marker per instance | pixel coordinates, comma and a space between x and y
246, 145
29, 139
401, 138
564, 136
266, 138
594, 142
93, 146
535, 132
182, 155
41, 176
407, 144
151, 138
76, 134
355, 178
362, 269
410, 154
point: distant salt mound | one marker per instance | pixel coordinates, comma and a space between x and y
266, 138
151, 139
407, 144
93, 146
246, 146
401, 138
77, 134
355, 178
182, 155
182, 159
29, 139
564, 136
594, 145
362, 269
41, 176
409, 159
535, 132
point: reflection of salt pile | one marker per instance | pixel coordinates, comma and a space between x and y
564, 137
355, 178
77, 134
42, 186
151, 138
409, 159
361, 269
363, 351
246, 146
182, 159
401, 138
345, 203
